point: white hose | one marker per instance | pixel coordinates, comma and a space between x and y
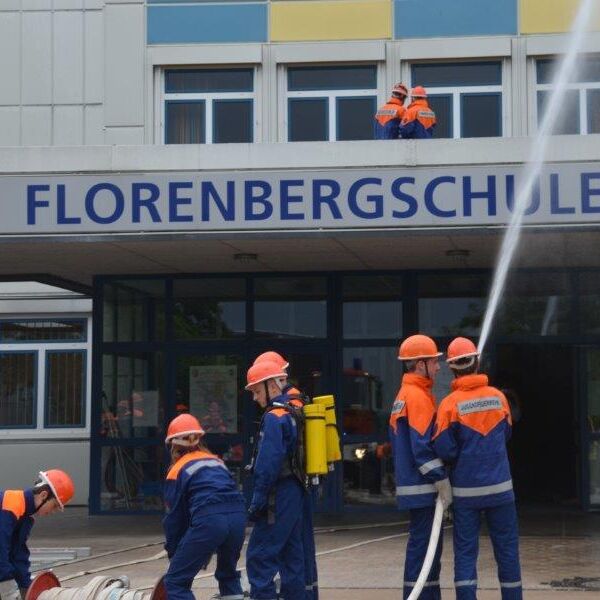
98, 588
431, 548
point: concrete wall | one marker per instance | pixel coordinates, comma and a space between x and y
22, 460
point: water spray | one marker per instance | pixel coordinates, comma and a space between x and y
533, 167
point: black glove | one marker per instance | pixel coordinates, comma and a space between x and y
255, 513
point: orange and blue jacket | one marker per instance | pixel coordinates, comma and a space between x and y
197, 485
16, 521
387, 120
472, 427
411, 425
419, 121
277, 441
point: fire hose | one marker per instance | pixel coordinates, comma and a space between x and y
46, 586
431, 548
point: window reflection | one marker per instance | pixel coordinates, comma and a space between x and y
371, 377
290, 307
209, 308
132, 478
133, 311
132, 395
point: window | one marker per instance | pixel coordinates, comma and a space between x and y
43, 330
290, 307
466, 97
331, 103
209, 106
65, 388
580, 112
18, 379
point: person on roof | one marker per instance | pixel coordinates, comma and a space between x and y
277, 503
420, 474
389, 116
52, 490
205, 514
294, 397
472, 427
419, 120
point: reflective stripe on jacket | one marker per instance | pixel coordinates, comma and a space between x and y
197, 485
16, 521
472, 426
419, 121
411, 424
387, 120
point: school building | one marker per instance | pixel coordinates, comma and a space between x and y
205, 172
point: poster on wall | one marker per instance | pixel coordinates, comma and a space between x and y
213, 397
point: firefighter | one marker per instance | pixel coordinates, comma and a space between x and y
277, 502
293, 396
420, 474
472, 427
419, 120
50, 493
389, 116
205, 514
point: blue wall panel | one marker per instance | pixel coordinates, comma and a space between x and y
212, 23
446, 18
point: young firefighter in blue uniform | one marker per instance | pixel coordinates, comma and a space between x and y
472, 427
50, 493
420, 474
278, 498
296, 398
419, 120
206, 514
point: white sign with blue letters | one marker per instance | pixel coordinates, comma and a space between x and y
567, 193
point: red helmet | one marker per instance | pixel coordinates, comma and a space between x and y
418, 92
417, 347
400, 88
183, 426
461, 347
263, 371
272, 356
60, 484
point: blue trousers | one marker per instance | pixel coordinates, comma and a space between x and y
421, 521
277, 547
504, 532
220, 533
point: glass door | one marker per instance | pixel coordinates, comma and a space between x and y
591, 427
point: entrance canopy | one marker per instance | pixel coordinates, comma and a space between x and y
73, 213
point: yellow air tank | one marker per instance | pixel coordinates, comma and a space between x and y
333, 437
315, 442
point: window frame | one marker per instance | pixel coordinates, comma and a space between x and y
36, 387
56, 341
582, 87
331, 95
208, 98
84, 387
456, 92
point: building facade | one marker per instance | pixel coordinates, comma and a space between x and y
205, 171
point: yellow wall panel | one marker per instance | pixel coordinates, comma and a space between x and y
552, 16
331, 20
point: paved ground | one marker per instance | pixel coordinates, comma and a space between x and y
560, 553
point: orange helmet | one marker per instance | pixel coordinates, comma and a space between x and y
272, 356
400, 88
461, 347
417, 347
60, 484
418, 92
263, 371
183, 426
